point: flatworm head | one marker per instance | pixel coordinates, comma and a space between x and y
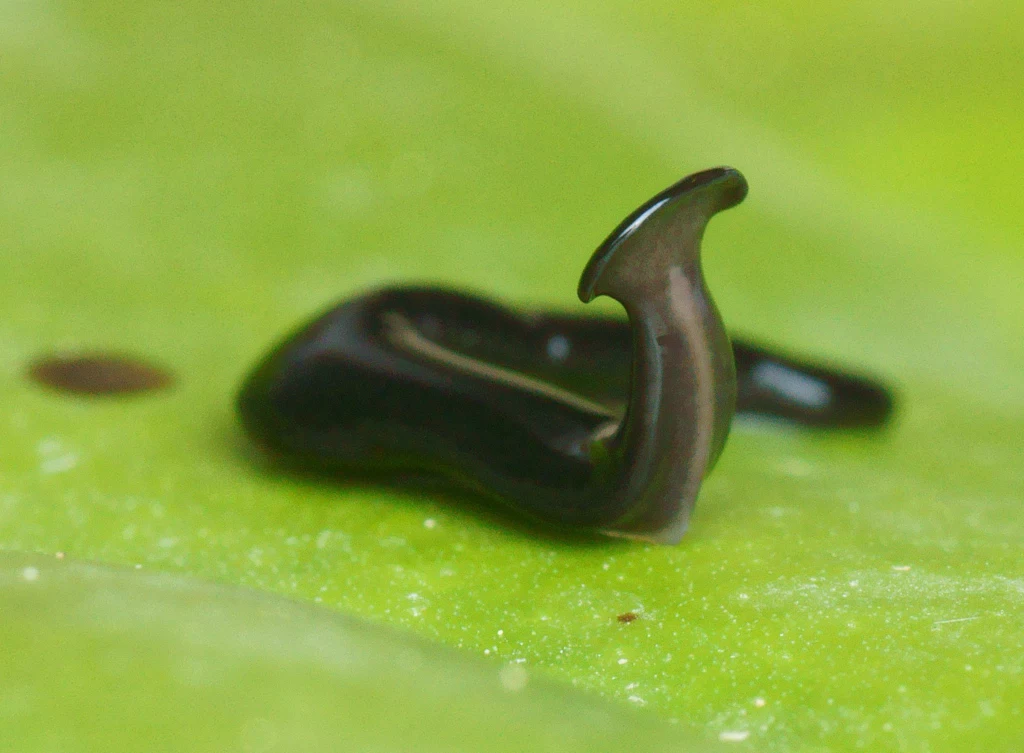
683, 379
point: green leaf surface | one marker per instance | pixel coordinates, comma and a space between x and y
97, 660
188, 181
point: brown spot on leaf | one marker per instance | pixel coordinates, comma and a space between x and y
98, 374
627, 617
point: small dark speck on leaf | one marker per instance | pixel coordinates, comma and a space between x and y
627, 617
98, 374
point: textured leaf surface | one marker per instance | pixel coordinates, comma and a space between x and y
97, 659
187, 183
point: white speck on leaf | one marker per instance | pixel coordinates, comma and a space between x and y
513, 677
54, 457
955, 619
59, 464
734, 736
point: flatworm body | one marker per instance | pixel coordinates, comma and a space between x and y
592, 423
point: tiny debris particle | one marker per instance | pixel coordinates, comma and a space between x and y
623, 660
55, 458
627, 617
759, 702
734, 736
901, 568
430, 523
513, 677
59, 555
955, 619
59, 464
30, 574
98, 374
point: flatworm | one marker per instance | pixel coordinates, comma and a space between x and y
587, 423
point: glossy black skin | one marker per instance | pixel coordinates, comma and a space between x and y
591, 355
587, 423
341, 395
335, 397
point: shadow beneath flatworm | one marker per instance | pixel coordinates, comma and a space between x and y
411, 486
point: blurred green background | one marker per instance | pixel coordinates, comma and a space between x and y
188, 181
